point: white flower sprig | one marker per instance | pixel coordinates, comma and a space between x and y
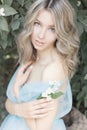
2, 13
52, 92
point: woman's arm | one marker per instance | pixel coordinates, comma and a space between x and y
53, 72
34, 109
30, 111
17, 109
46, 123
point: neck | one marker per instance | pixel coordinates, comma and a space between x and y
46, 56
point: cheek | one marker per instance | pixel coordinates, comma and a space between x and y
51, 38
36, 30
33, 34
54, 38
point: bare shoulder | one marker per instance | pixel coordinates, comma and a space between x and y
55, 71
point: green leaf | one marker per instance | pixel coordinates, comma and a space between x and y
8, 10
8, 2
84, 2
56, 95
85, 69
27, 4
76, 87
84, 89
80, 28
21, 2
78, 104
86, 29
84, 22
85, 77
3, 38
82, 14
85, 101
4, 44
83, 53
22, 11
22, 20
3, 35
74, 4
3, 24
40, 96
9, 42
15, 25
80, 96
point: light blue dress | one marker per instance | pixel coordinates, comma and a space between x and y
29, 92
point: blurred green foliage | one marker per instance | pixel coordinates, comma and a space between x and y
11, 22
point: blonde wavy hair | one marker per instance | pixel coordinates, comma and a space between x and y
67, 42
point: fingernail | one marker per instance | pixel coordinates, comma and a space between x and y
31, 66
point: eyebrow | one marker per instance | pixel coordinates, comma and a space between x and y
41, 22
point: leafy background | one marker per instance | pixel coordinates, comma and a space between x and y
12, 23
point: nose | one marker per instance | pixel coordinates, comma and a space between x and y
42, 33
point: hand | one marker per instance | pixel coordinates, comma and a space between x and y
23, 74
22, 77
34, 109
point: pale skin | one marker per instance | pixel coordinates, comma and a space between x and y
49, 66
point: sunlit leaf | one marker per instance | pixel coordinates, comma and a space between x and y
8, 10
21, 2
8, 2
15, 25
3, 24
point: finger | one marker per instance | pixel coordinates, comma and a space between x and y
24, 67
43, 111
28, 70
40, 112
36, 102
40, 101
42, 105
39, 116
27, 67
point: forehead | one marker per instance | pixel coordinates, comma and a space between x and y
45, 17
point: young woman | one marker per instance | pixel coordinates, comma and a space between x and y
48, 53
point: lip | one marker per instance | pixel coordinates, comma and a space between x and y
39, 42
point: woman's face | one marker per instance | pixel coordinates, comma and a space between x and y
43, 35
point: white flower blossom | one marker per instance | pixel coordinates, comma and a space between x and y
55, 88
52, 91
44, 94
2, 13
53, 82
49, 91
50, 82
78, 3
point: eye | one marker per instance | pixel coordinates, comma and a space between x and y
37, 23
52, 29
